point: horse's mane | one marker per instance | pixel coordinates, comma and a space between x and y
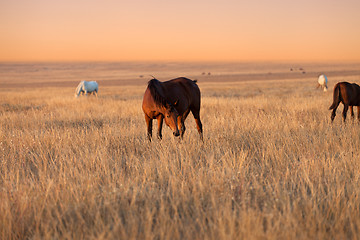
79, 87
154, 86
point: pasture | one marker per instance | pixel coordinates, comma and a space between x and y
272, 166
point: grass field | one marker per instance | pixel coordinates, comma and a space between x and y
272, 166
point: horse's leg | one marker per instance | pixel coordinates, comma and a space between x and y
196, 114
352, 112
181, 123
149, 126
346, 107
160, 119
358, 110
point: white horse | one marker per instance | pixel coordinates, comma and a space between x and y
86, 88
322, 82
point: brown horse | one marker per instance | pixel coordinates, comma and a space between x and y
349, 95
172, 100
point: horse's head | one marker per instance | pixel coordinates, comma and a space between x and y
77, 93
171, 115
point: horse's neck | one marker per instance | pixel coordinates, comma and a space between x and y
80, 88
160, 89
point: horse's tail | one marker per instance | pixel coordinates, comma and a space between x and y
336, 97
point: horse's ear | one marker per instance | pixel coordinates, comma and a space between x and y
176, 103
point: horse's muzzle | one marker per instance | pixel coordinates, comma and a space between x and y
176, 134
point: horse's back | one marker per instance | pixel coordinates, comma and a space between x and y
356, 87
350, 88
350, 93
182, 89
182, 85
91, 86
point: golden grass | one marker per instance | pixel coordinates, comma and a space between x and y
272, 166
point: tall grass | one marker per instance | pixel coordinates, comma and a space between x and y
271, 166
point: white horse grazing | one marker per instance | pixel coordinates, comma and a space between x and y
322, 82
85, 87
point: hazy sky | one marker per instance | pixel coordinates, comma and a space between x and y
187, 30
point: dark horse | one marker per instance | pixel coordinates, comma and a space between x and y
172, 100
349, 95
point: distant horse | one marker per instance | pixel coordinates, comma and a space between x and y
86, 88
322, 82
349, 95
172, 100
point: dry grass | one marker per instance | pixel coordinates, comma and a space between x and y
272, 166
